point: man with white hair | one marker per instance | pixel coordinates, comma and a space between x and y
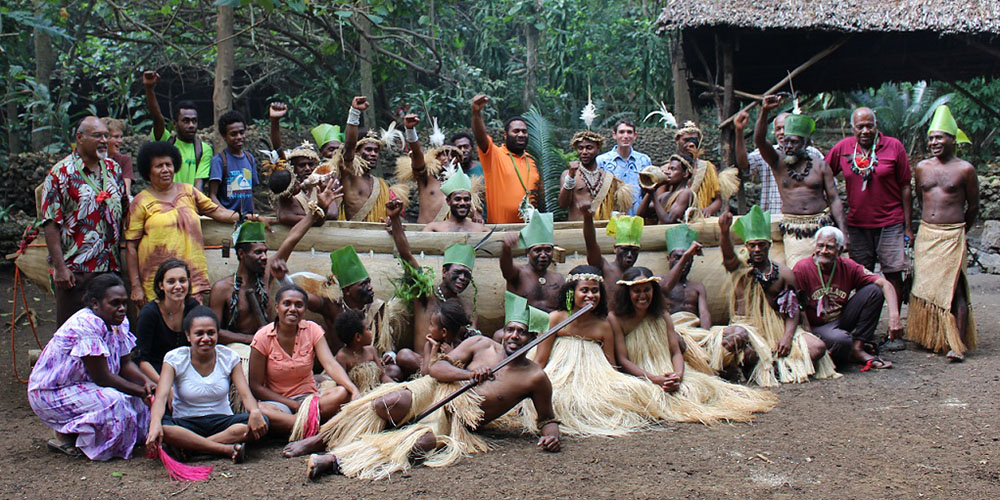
876, 169
843, 301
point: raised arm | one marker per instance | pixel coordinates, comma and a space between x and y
594, 257
673, 275
767, 152
330, 192
358, 105
566, 190
410, 123
508, 270
729, 258
275, 113
478, 125
149, 81
739, 124
393, 208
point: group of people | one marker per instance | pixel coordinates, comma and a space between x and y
211, 367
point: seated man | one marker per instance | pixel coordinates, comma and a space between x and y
843, 301
627, 231
373, 453
460, 200
762, 297
533, 280
666, 196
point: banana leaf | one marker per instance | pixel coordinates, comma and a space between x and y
549, 159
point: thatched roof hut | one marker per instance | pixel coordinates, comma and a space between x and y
889, 40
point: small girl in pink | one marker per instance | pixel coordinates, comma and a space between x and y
281, 364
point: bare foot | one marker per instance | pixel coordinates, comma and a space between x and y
239, 453
955, 357
314, 444
322, 464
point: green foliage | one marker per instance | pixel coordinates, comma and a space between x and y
549, 158
979, 124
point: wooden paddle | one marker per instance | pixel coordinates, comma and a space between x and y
520, 352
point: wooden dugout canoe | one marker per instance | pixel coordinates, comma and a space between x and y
377, 252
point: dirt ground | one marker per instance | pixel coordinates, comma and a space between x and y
923, 429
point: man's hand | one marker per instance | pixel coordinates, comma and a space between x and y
573, 167
137, 295
770, 102
150, 78
741, 120
784, 347
510, 239
481, 375
63, 277
707, 211
277, 110
257, 425
279, 268
895, 328
907, 237
725, 221
549, 443
694, 249
393, 208
359, 103
479, 103
331, 192
411, 121
584, 206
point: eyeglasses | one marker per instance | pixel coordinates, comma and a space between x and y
98, 136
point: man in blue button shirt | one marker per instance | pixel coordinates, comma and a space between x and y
623, 161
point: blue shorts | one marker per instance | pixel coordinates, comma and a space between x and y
209, 425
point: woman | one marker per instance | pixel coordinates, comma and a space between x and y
281, 360
647, 347
116, 128
85, 385
163, 223
589, 396
200, 376
158, 328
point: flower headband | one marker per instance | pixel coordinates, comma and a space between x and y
585, 277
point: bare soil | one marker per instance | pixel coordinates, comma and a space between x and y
925, 428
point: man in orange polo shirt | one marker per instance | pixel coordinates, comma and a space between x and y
511, 175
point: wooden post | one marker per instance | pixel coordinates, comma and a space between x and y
683, 105
728, 136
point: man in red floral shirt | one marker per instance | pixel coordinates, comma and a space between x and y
81, 216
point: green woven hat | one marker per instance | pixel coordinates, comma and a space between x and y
943, 121
347, 267
627, 230
680, 237
515, 308
324, 133
537, 232
538, 320
250, 232
458, 181
754, 226
799, 125
460, 253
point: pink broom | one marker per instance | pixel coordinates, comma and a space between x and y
178, 470
312, 424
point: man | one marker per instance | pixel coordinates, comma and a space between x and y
416, 284
627, 231
762, 297
584, 181
460, 201
666, 190
328, 138
82, 204
940, 316
196, 154
300, 195
241, 301
374, 453
625, 162
533, 280
512, 180
877, 171
843, 302
770, 196
809, 198
365, 195
705, 182
429, 171
464, 142
233, 176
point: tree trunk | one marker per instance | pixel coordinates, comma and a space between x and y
222, 95
531, 36
683, 105
367, 76
45, 62
13, 140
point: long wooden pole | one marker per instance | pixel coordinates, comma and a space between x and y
795, 72
518, 353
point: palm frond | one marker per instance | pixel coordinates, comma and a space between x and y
548, 157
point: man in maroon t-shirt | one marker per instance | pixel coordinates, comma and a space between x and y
877, 173
844, 321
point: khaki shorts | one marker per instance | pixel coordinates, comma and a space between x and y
884, 244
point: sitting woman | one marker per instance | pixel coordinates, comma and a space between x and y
85, 385
163, 223
357, 355
281, 361
158, 328
449, 326
200, 375
647, 347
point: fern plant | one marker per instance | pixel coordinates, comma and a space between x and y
549, 159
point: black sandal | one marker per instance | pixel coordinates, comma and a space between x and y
64, 448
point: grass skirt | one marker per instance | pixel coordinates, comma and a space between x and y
366, 376
687, 326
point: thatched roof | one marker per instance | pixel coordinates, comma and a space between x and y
941, 16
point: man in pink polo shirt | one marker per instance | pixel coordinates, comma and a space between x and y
877, 172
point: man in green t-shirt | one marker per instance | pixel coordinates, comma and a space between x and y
196, 154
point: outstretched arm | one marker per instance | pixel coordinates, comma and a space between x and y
410, 123
729, 259
478, 125
330, 192
149, 81
767, 152
508, 270
594, 257
358, 104
566, 195
275, 113
739, 124
395, 226
673, 276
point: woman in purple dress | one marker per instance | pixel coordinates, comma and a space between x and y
85, 385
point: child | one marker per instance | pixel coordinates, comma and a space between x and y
357, 355
233, 175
